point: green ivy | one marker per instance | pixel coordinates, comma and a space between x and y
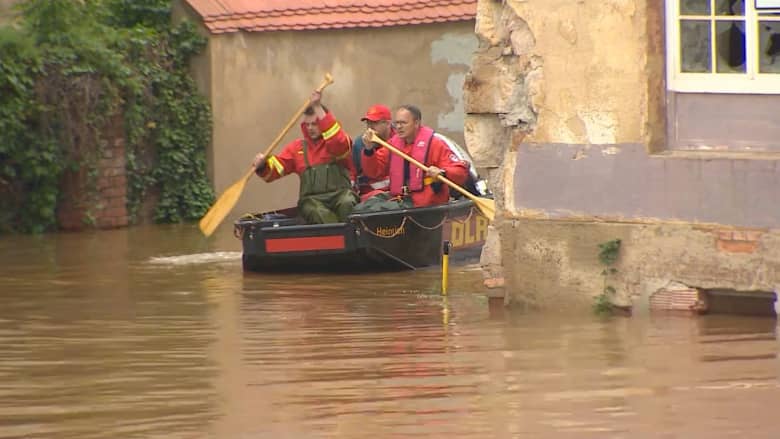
29, 162
69, 71
608, 254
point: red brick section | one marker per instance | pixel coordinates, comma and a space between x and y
685, 300
737, 241
222, 16
494, 282
100, 201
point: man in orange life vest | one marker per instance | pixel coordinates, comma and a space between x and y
322, 160
378, 120
410, 186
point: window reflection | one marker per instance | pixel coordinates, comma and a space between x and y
731, 46
695, 41
769, 46
729, 7
694, 7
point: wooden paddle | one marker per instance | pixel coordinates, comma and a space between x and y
485, 205
229, 198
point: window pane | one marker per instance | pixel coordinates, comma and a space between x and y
769, 46
695, 46
730, 46
729, 7
694, 7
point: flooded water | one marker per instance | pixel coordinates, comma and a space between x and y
155, 332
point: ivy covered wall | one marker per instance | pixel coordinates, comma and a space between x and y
68, 72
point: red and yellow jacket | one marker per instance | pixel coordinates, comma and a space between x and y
335, 144
439, 155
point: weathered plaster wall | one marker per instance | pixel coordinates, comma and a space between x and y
593, 65
257, 81
566, 108
625, 183
564, 72
555, 263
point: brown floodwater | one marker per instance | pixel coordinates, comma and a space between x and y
155, 332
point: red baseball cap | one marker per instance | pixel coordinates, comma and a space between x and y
376, 113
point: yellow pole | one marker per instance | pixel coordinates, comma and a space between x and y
445, 266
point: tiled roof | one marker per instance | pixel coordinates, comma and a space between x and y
221, 16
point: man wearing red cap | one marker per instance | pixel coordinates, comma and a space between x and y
322, 160
379, 120
410, 186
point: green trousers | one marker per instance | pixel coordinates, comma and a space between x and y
383, 201
330, 207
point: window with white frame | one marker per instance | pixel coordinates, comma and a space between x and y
723, 46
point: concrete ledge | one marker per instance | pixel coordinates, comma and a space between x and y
554, 263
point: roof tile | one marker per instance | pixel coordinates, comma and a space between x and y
221, 16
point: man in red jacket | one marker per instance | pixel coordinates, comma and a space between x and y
378, 120
322, 160
410, 186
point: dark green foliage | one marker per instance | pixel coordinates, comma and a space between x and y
29, 164
153, 14
609, 251
608, 255
69, 70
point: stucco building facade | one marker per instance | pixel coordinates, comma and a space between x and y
262, 63
640, 120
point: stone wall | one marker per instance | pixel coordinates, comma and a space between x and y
97, 197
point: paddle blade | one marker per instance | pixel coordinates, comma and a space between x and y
224, 204
486, 206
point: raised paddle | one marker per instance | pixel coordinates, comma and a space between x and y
485, 205
228, 199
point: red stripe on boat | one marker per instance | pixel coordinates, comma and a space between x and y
281, 245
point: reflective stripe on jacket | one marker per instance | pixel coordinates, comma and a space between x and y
335, 143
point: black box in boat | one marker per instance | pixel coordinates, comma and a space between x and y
388, 240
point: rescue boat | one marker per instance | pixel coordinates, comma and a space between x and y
405, 239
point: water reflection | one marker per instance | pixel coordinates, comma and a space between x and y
156, 332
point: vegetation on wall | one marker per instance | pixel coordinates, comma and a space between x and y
71, 70
608, 255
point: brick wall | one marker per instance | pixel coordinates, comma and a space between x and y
738, 241
98, 200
